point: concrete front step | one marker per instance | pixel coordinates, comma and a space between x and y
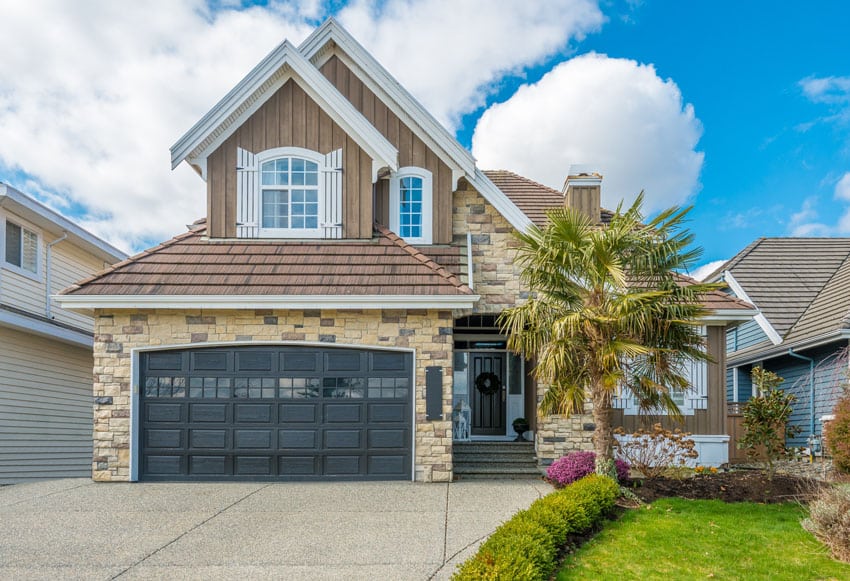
494, 460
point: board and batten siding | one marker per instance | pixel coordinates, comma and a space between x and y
45, 408
412, 151
290, 118
709, 421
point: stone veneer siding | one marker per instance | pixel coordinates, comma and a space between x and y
117, 332
496, 280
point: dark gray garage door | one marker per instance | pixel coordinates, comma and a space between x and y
276, 413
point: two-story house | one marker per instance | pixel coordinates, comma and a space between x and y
334, 315
45, 350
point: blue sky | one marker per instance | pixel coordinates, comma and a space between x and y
741, 108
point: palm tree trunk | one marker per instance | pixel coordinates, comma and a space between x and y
602, 432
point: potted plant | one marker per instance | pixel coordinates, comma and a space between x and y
521, 426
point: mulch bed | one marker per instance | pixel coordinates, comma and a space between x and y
732, 486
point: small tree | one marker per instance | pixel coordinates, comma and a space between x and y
766, 420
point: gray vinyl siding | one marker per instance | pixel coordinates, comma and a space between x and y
829, 374
45, 408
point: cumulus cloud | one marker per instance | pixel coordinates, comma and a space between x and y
451, 55
93, 94
615, 114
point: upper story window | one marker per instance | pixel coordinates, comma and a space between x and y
21, 248
411, 204
290, 197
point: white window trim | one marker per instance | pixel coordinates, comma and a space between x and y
309, 155
427, 202
36, 276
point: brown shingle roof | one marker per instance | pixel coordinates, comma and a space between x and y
717, 299
800, 284
191, 264
531, 197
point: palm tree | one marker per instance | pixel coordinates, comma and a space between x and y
607, 310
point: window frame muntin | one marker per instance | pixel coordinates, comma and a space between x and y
290, 152
427, 203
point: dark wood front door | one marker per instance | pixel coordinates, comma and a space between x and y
488, 410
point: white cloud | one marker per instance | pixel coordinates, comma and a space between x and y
615, 114
452, 54
92, 97
805, 222
703, 271
826, 89
93, 94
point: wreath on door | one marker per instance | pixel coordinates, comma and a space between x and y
488, 383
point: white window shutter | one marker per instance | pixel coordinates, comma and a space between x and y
332, 214
247, 195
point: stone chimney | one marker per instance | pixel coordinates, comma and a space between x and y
583, 191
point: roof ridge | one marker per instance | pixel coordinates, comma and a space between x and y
135, 258
422, 257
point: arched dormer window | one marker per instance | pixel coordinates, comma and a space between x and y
411, 205
289, 192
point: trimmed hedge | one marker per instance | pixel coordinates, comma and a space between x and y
525, 548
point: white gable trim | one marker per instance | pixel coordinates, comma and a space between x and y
283, 63
762, 321
380, 82
372, 302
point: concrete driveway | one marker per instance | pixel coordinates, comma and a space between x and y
77, 529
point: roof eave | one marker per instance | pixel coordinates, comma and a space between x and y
340, 302
776, 351
52, 221
719, 316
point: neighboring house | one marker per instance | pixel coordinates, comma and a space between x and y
333, 314
45, 351
801, 287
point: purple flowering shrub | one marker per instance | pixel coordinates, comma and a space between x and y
576, 465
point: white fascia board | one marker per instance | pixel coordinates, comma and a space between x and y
500, 201
45, 329
759, 318
729, 315
382, 82
341, 302
314, 83
47, 219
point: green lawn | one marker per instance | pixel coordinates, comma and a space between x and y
705, 539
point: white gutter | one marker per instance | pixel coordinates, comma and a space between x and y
47, 275
342, 302
758, 355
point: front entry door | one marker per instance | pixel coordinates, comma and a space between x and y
488, 409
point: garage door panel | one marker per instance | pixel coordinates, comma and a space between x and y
343, 439
388, 465
252, 439
208, 465
254, 413
299, 413
164, 412
397, 438
158, 438
208, 413
299, 439
299, 465
208, 439
343, 413
342, 465
388, 412
164, 465
254, 465
283, 413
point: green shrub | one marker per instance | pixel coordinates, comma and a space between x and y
525, 548
838, 435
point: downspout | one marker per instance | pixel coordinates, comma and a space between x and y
47, 272
811, 388
469, 260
